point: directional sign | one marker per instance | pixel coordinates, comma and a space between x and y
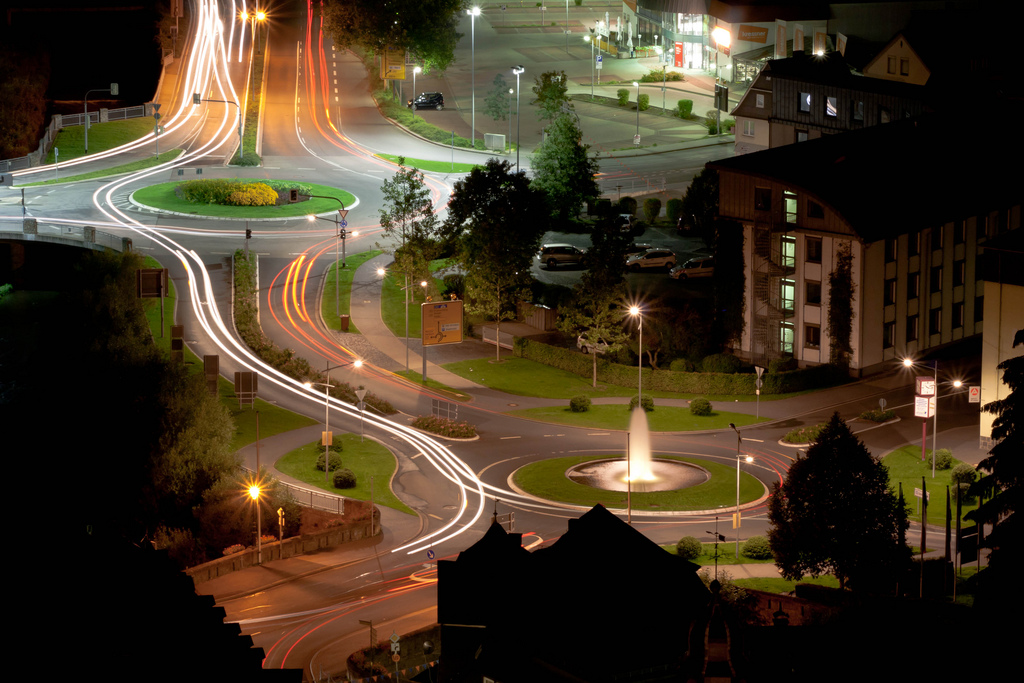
430, 554
441, 323
974, 395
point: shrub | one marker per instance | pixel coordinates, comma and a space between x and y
659, 76
757, 548
962, 476
778, 365
721, 362
804, 434
644, 101
943, 459
444, 427
648, 403
673, 210
579, 404
682, 365
335, 456
623, 97
685, 108
652, 209
253, 194
878, 415
627, 205
344, 479
689, 548
454, 283
728, 125
701, 407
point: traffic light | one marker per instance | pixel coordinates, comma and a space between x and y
248, 234
196, 98
722, 97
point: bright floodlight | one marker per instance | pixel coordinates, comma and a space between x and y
474, 12
357, 363
261, 16
381, 272
721, 36
254, 492
957, 383
634, 310
310, 217
908, 362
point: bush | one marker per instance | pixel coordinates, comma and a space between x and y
652, 209
344, 479
701, 407
444, 427
673, 210
623, 97
721, 362
962, 476
757, 548
659, 76
943, 459
804, 434
254, 194
644, 101
778, 365
728, 125
648, 403
682, 365
689, 548
878, 415
685, 108
579, 404
627, 205
335, 456
454, 283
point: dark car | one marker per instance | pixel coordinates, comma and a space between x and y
428, 100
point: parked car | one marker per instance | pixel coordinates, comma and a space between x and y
554, 255
600, 347
637, 248
652, 258
695, 267
428, 100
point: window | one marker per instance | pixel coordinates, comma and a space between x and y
858, 111
938, 238
979, 309
913, 286
912, 328
813, 293
759, 101
812, 336
888, 335
884, 115
788, 244
959, 272
958, 315
786, 338
789, 200
935, 321
914, 244
959, 232
904, 66
762, 199
935, 283
814, 250
787, 292
748, 128
890, 292
891, 65
815, 210
890, 250
801, 136
805, 102
831, 105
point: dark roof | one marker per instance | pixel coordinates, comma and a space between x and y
762, 11
897, 177
832, 69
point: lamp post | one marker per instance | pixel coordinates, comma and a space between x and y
85, 109
909, 363
197, 99
415, 70
254, 494
517, 70
342, 235
510, 91
327, 421
566, 26
637, 84
360, 394
473, 14
590, 40
637, 313
739, 440
381, 273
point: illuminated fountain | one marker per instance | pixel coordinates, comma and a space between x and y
639, 472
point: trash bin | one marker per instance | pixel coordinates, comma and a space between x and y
344, 323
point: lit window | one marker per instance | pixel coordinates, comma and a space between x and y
788, 252
801, 136
748, 128
786, 338
759, 100
789, 198
787, 292
831, 105
805, 102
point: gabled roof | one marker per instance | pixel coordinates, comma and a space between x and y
897, 177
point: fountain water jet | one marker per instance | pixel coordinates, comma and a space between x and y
639, 453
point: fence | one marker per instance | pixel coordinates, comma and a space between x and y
490, 336
87, 235
445, 409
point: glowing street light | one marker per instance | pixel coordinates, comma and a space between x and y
415, 70
637, 313
517, 70
748, 459
930, 393
254, 494
592, 62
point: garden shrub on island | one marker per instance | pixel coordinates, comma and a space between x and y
701, 407
807, 434
444, 426
344, 479
757, 548
579, 404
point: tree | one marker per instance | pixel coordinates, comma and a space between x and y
426, 28
496, 220
563, 168
1002, 485
552, 91
496, 104
840, 307
407, 217
835, 513
700, 204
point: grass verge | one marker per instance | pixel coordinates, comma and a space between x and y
340, 290
726, 555
781, 585
162, 196
417, 378
102, 137
392, 301
131, 167
432, 166
366, 458
906, 468
661, 419
546, 479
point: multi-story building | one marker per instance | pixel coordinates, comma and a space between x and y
914, 201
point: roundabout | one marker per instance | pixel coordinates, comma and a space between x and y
164, 198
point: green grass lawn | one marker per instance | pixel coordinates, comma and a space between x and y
102, 136
433, 166
417, 378
342, 294
726, 554
781, 585
131, 167
546, 478
367, 458
661, 419
905, 467
162, 196
392, 300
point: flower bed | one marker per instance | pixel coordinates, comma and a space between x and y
444, 426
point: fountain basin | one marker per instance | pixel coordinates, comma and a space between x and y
610, 475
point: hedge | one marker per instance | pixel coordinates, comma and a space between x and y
704, 383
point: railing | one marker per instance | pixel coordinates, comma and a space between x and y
88, 235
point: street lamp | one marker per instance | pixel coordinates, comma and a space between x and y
381, 273
517, 70
415, 70
909, 363
197, 99
637, 84
566, 26
637, 313
510, 91
85, 107
473, 14
749, 459
254, 494
591, 41
340, 225
327, 438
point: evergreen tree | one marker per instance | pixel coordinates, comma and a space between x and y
496, 104
563, 168
552, 91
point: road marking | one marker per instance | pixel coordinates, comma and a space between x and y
416, 456
598, 433
547, 435
431, 514
511, 437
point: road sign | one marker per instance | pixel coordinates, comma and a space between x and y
924, 406
881, 403
441, 323
343, 213
636, 140
343, 223
395, 657
974, 395
430, 554
394, 637
599, 60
